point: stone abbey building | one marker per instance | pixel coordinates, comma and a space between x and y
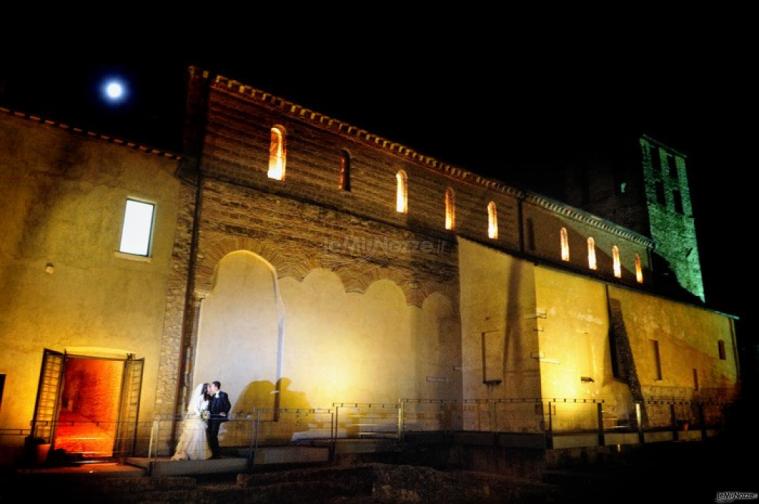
305, 262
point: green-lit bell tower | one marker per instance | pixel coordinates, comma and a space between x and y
670, 213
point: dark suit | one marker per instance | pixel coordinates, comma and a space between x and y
216, 406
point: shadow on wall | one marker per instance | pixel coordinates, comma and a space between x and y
667, 281
623, 366
369, 346
282, 413
267, 395
241, 332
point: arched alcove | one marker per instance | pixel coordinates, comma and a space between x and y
241, 328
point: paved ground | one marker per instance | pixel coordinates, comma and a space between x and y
100, 469
663, 472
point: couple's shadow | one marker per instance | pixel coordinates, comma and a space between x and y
279, 413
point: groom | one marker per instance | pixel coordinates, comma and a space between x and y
218, 408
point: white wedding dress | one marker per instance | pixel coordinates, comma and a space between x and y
193, 444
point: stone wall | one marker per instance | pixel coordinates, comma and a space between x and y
547, 225
236, 149
170, 394
673, 230
498, 338
359, 310
576, 354
65, 287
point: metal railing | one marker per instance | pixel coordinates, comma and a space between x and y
367, 420
247, 431
432, 415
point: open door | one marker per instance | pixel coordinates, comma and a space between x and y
46, 406
87, 406
129, 407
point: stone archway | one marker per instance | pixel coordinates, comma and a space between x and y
240, 336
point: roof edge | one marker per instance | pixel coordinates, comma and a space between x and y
92, 134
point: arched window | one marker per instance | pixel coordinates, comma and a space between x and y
345, 171
564, 244
277, 154
492, 221
450, 209
401, 192
638, 269
617, 264
592, 254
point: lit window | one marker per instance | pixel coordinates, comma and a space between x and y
492, 221
401, 192
345, 171
277, 155
450, 209
592, 254
638, 269
564, 244
617, 264
138, 228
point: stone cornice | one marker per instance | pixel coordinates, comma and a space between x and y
331, 124
336, 126
587, 218
661, 144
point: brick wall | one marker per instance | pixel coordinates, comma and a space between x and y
236, 149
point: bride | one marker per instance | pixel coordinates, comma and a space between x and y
192, 443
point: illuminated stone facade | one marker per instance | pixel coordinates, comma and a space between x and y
65, 287
314, 289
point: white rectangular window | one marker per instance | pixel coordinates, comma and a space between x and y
138, 228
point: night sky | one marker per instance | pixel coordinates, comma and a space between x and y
496, 113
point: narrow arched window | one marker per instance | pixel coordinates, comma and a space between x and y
401, 192
492, 221
617, 263
277, 154
592, 254
345, 171
638, 269
450, 209
564, 244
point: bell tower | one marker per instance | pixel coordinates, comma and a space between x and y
670, 214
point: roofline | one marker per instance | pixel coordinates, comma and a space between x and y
342, 128
662, 144
92, 134
588, 218
544, 263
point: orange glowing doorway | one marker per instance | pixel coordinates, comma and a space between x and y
88, 406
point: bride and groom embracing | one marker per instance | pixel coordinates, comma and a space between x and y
207, 409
